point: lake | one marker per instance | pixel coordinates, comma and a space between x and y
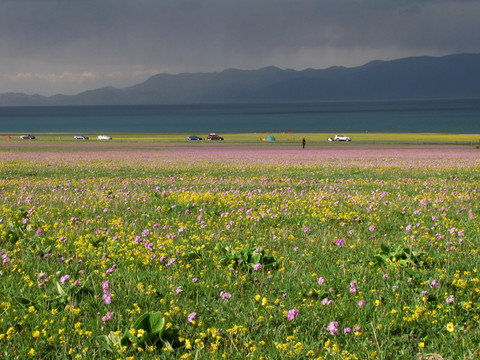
423, 116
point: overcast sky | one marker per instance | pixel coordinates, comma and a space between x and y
68, 46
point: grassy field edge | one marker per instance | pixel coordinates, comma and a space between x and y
260, 138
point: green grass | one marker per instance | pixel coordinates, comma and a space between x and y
388, 251
315, 139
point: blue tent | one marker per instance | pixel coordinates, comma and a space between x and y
271, 138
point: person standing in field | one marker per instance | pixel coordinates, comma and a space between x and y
303, 143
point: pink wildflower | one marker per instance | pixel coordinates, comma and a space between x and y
5, 259
108, 316
333, 328
292, 313
191, 316
326, 301
170, 262
353, 286
107, 297
225, 295
109, 271
64, 279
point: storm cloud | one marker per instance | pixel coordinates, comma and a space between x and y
67, 46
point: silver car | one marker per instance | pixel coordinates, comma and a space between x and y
341, 138
104, 137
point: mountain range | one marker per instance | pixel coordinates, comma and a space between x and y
448, 77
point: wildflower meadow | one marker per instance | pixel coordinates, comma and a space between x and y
337, 252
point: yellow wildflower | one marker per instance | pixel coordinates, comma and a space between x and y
450, 327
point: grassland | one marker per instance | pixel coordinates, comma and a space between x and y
313, 139
131, 249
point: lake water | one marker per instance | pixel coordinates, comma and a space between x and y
432, 116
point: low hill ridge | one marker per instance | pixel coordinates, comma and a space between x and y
424, 77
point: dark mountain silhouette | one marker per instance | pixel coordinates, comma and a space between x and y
447, 77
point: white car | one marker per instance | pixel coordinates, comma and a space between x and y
80, 137
341, 138
104, 137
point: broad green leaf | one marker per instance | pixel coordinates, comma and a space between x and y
157, 323
110, 341
60, 290
385, 249
256, 258
141, 322
128, 338
380, 259
23, 301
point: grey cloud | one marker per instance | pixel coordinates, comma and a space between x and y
179, 35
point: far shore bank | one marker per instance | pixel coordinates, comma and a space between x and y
237, 139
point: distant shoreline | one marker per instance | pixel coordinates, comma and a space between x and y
120, 141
